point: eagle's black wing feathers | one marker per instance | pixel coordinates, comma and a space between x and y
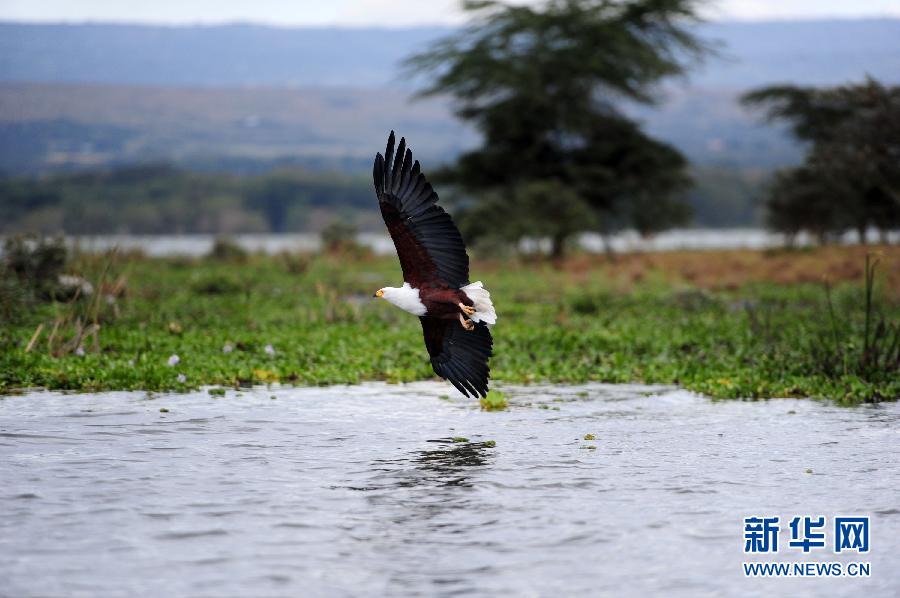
429, 245
459, 355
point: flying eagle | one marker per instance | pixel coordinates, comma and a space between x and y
455, 314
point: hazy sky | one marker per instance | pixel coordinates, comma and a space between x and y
376, 12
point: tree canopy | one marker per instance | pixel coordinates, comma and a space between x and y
542, 84
850, 178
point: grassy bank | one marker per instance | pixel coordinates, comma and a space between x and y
727, 324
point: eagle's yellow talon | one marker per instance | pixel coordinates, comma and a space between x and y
466, 309
467, 324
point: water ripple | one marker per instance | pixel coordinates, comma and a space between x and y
373, 489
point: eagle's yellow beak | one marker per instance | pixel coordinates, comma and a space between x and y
379, 293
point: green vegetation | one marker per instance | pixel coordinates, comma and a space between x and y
169, 324
31, 271
542, 84
494, 401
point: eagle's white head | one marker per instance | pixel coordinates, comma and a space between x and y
405, 297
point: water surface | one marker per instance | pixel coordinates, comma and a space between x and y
380, 243
359, 490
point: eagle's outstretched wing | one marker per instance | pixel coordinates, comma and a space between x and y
429, 245
459, 355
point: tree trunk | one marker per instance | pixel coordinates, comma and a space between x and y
608, 250
790, 240
557, 246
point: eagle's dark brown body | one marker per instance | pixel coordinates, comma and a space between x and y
443, 303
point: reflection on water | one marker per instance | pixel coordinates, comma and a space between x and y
445, 466
383, 489
453, 461
439, 467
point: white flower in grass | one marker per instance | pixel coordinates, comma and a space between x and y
131, 363
227, 348
181, 378
270, 350
79, 351
173, 360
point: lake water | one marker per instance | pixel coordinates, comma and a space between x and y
359, 490
629, 241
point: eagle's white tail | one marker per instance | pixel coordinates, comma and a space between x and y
484, 309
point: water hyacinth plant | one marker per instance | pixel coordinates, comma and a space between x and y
738, 324
869, 351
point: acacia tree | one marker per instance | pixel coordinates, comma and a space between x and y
799, 200
542, 83
851, 176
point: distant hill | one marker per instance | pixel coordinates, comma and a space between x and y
752, 54
245, 98
261, 100
73, 126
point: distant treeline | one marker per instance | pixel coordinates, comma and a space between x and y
162, 199
157, 199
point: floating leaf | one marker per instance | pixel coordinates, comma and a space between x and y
494, 401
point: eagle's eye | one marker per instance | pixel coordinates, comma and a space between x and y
379, 293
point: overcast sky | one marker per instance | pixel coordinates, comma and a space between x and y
376, 12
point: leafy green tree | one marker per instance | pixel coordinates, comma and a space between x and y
800, 200
274, 197
851, 175
541, 84
535, 209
